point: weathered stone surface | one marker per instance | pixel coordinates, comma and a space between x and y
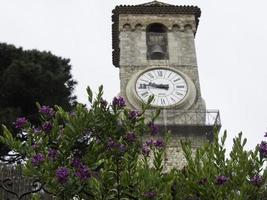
181, 46
181, 29
174, 157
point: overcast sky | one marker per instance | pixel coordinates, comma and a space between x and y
231, 44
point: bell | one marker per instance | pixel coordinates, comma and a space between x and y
157, 52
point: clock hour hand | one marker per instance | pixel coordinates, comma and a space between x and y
160, 86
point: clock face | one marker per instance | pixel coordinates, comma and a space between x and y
167, 86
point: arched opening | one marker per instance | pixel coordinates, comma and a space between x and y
127, 27
157, 42
175, 27
138, 27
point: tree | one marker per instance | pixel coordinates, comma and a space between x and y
30, 76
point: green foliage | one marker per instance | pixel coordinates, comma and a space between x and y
199, 177
28, 76
104, 141
99, 153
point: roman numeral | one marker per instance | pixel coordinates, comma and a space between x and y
144, 94
172, 99
179, 86
178, 93
160, 73
144, 80
142, 86
176, 80
162, 101
150, 75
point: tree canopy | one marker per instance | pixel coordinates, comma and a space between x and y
30, 76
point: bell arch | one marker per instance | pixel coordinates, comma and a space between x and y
157, 42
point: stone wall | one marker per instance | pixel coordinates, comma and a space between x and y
181, 45
174, 154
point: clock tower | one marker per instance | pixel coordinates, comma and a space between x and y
154, 49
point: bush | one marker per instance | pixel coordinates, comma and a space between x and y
98, 153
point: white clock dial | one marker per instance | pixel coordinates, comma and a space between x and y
167, 86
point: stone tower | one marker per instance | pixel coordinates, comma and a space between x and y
154, 49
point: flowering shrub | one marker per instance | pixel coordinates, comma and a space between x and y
98, 153
93, 153
211, 175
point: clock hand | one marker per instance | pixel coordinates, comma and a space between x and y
160, 86
163, 86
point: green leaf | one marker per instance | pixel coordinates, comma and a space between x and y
90, 94
150, 99
38, 105
7, 135
100, 92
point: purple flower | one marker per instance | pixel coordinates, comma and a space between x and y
116, 146
103, 103
265, 135
263, 149
122, 148
46, 110
154, 129
53, 154
145, 150
37, 130
47, 127
118, 102
37, 159
134, 114
256, 180
221, 180
76, 163
159, 144
150, 194
83, 172
149, 142
21, 122
62, 174
112, 144
35, 146
131, 137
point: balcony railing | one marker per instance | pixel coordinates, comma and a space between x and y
209, 118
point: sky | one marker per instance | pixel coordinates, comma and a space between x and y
231, 45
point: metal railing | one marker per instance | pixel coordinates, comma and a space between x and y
188, 117
15, 186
